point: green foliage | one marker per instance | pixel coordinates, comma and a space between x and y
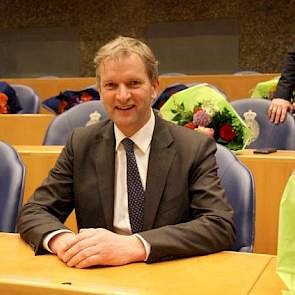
181, 115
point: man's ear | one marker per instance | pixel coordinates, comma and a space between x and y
156, 85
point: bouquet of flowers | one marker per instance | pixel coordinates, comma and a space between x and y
204, 109
267, 89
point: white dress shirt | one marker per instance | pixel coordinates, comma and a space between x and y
142, 144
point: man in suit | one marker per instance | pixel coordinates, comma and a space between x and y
281, 103
180, 209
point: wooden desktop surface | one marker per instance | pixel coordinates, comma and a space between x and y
222, 273
268, 281
271, 173
24, 129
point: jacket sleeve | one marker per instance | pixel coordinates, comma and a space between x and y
286, 82
50, 204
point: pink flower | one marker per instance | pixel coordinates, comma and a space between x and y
201, 118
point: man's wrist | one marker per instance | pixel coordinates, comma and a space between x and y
50, 236
146, 245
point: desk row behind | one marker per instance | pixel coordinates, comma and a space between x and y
234, 86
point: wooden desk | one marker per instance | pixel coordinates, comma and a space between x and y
24, 129
223, 273
271, 173
268, 281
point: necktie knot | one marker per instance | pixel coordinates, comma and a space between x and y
128, 145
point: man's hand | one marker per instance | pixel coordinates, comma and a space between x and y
59, 243
102, 247
278, 110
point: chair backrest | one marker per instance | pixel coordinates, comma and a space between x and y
242, 73
77, 116
279, 136
238, 183
172, 74
28, 99
12, 174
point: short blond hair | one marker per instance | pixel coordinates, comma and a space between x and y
125, 46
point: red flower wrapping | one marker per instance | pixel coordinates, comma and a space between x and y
86, 97
227, 132
62, 106
3, 103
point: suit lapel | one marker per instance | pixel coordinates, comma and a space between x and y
161, 152
104, 157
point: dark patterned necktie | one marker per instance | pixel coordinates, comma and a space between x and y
134, 187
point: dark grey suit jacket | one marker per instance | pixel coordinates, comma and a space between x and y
186, 212
286, 84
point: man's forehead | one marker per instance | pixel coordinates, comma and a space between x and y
123, 56
112, 61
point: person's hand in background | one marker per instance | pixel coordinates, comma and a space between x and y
278, 110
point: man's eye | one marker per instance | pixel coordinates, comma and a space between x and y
134, 83
109, 85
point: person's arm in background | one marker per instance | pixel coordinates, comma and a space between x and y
281, 103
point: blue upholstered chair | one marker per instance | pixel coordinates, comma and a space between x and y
238, 184
279, 136
28, 99
62, 125
12, 173
172, 74
243, 73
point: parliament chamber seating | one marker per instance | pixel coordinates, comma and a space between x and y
12, 176
62, 125
280, 136
238, 183
28, 99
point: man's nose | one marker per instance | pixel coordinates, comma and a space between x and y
123, 92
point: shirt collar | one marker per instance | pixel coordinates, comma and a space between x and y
142, 138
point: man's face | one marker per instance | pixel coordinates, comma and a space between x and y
127, 92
